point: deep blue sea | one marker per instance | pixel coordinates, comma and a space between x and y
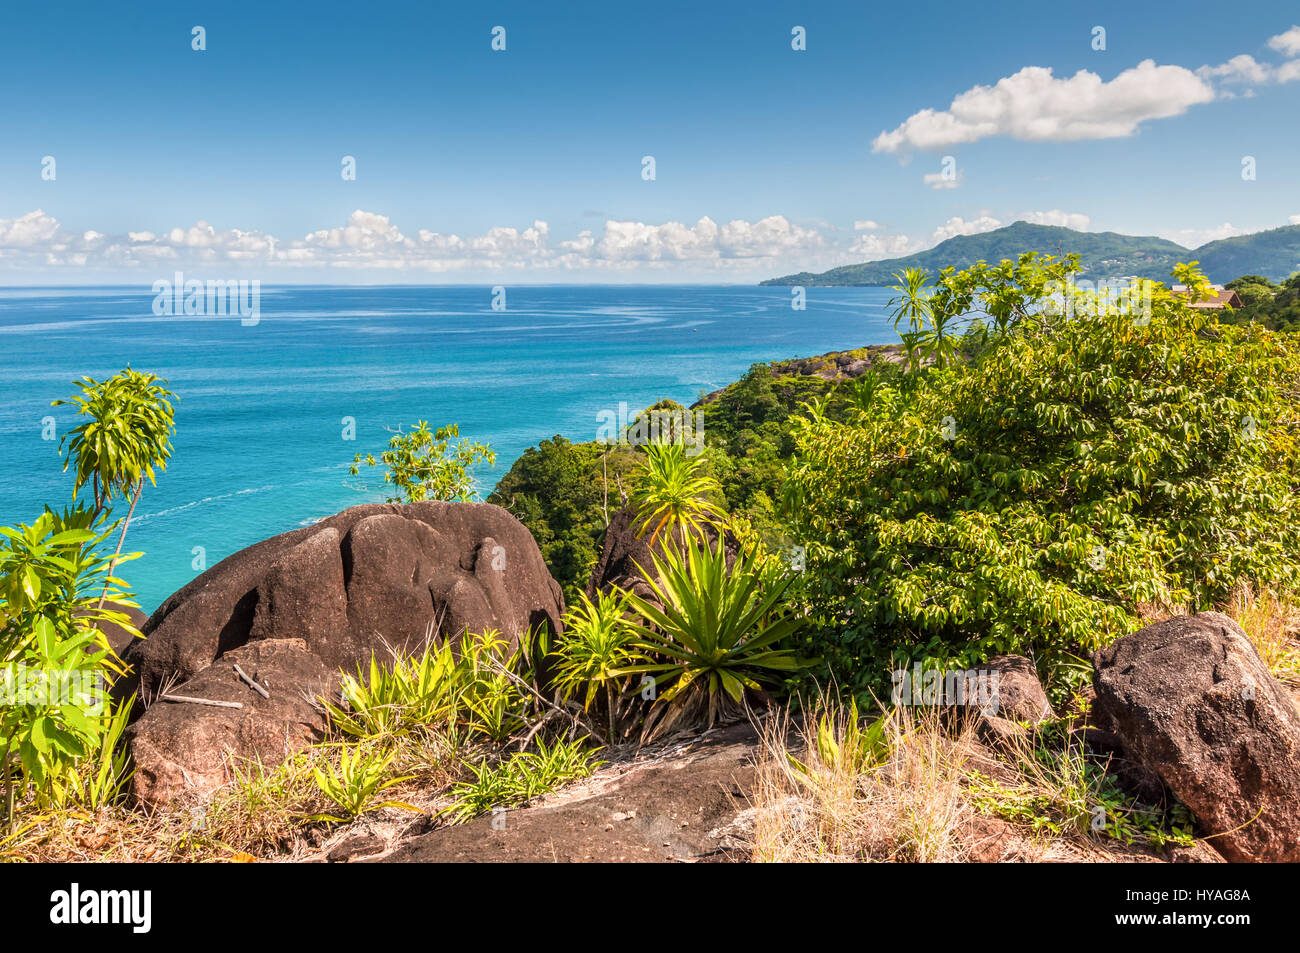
259, 446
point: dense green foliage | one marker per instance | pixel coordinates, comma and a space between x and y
1276, 307
566, 493
124, 440
1029, 498
53, 714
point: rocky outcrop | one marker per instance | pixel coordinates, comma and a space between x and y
1018, 698
834, 366
1190, 701
371, 579
686, 804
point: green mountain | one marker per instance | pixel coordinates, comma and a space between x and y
1103, 255
1274, 254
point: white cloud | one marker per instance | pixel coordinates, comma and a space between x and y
1033, 105
958, 226
770, 237
1288, 43
1196, 237
876, 247
1294, 219
28, 230
368, 240
867, 225
1239, 69
1076, 220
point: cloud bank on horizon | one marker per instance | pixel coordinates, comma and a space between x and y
372, 242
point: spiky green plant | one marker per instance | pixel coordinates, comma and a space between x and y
519, 778
718, 629
355, 785
597, 643
672, 493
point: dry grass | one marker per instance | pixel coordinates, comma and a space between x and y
1272, 622
923, 788
898, 797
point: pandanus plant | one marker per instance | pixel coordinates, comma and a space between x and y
672, 493
719, 630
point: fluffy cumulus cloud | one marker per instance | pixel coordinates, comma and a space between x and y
959, 226
706, 241
1034, 105
1294, 219
28, 231
371, 241
1288, 43
877, 247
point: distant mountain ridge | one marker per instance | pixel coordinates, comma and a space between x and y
1103, 255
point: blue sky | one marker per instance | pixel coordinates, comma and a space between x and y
527, 164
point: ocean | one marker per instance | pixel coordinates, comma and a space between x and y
262, 424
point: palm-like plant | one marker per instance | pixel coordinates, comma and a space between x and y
596, 645
718, 629
125, 439
672, 493
929, 332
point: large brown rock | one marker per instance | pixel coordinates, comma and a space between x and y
1018, 698
370, 579
187, 749
1193, 703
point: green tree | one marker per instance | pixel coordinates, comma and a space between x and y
1029, 499
425, 465
125, 439
564, 492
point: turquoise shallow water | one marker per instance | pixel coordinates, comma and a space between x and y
259, 447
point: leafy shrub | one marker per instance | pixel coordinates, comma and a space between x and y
672, 493
598, 643
50, 574
1029, 499
355, 785
425, 464
473, 686
565, 493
